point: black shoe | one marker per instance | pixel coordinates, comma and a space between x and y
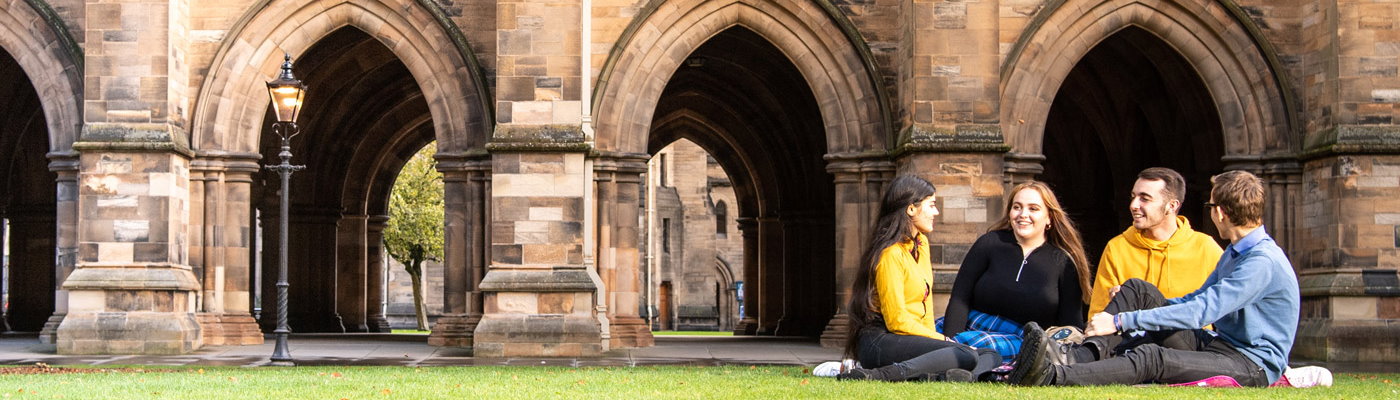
888, 373
1033, 364
956, 375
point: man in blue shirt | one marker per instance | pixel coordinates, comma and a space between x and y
1252, 298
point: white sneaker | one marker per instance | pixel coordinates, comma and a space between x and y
833, 368
1309, 376
827, 369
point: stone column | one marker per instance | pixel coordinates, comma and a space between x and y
969, 178
133, 290
374, 250
859, 186
232, 237
65, 166
351, 283
748, 325
465, 181
618, 182
219, 186
1346, 252
538, 295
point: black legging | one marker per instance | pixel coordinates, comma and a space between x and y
918, 355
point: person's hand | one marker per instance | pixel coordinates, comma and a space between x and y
1113, 291
1101, 324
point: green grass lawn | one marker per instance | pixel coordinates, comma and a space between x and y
611, 383
693, 333
415, 331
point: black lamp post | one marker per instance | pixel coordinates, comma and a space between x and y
287, 93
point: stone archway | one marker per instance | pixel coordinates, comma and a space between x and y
1244, 82
832, 64
43, 116
452, 106
1242, 79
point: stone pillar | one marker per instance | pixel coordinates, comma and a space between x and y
133, 290
748, 325
375, 273
466, 178
65, 166
770, 275
219, 252
1346, 251
859, 185
538, 295
969, 179
617, 185
351, 283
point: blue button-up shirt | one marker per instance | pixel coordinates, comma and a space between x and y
1251, 297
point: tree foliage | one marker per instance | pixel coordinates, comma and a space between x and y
415, 226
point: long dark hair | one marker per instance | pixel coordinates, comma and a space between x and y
893, 226
1062, 234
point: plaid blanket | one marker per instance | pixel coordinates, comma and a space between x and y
990, 332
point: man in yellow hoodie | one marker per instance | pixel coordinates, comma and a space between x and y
1160, 247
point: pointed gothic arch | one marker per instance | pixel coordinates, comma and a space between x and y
42, 46
1238, 67
228, 115
824, 46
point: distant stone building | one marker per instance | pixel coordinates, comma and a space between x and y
692, 285
133, 135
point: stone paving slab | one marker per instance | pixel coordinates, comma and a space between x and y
413, 350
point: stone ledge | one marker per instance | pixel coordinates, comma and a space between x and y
976, 138
1353, 139
1352, 282
556, 280
162, 278
538, 138
1376, 340
139, 138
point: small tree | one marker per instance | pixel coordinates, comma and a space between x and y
414, 233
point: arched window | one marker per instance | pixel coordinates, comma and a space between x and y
721, 220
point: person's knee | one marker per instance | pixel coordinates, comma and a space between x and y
1135, 284
1147, 354
966, 356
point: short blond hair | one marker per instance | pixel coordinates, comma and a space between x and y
1240, 195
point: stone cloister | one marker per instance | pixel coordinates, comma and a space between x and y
133, 135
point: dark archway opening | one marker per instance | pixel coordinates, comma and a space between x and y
1131, 103
742, 100
27, 202
364, 117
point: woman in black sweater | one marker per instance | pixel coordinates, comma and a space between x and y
1030, 266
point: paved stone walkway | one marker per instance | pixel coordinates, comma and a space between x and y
413, 350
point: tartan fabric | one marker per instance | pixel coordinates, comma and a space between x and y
990, 332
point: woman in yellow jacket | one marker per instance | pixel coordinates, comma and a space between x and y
891, 310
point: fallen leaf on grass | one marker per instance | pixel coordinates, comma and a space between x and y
385, 392
804, 382
806, 371
336, 375
233, 379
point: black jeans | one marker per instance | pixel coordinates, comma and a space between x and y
1173, 356
917, 354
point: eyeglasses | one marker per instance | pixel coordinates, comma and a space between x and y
1210, 205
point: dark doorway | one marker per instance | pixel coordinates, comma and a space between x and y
27, 202
1131, 103
741, 99
364, 117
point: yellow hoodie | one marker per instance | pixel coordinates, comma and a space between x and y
904, 287
1176, 266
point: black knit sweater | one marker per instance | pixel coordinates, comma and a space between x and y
993, 281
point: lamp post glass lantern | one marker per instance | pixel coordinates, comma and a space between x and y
287, 93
